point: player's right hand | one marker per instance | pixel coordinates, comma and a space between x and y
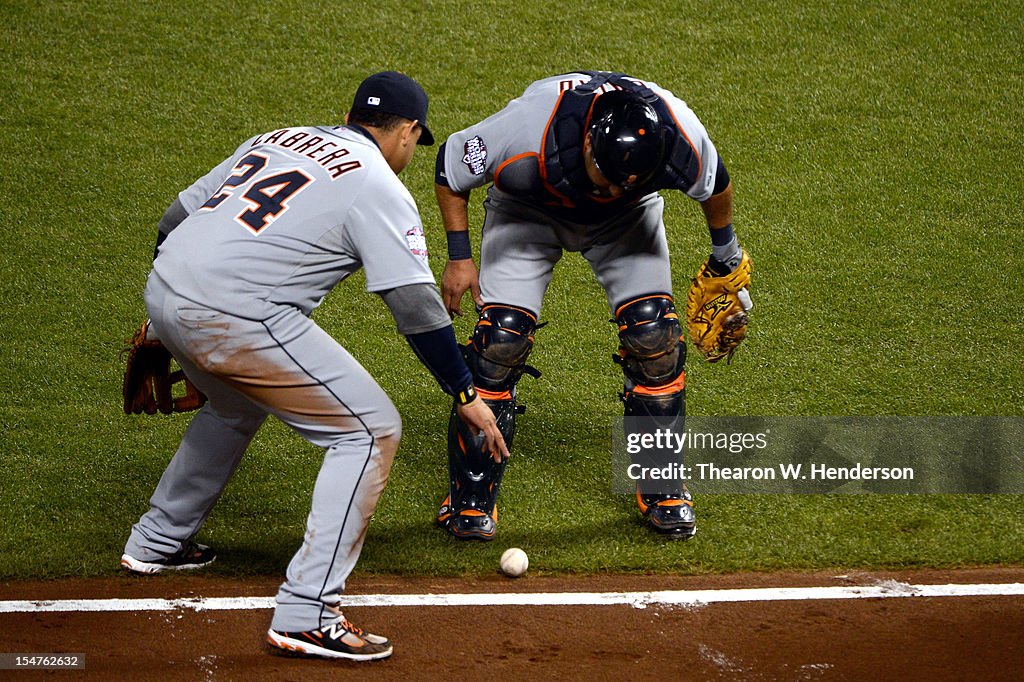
458, 276
480, 420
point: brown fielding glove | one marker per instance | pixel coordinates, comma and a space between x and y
148, 379
716, 310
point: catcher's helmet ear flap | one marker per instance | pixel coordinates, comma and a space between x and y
626, 138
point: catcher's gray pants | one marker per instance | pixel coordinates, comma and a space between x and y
521, 245
286, 366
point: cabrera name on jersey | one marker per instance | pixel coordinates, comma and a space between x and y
310, 206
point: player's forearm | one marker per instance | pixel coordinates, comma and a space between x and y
718, 209
422, 319
454, 208
440, 353
725, 247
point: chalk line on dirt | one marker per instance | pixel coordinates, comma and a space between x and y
640, 600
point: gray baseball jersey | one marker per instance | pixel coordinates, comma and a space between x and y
484, 152
289, 215
530, 222
269, 232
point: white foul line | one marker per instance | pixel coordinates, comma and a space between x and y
640, 600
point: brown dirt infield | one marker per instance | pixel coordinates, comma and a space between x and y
900, 639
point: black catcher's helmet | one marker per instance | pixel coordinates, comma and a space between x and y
626, 138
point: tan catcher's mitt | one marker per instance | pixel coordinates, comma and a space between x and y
716, 310
148, 379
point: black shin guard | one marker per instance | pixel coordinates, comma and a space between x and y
496, 356
653, 358
474, 478
647, 413
664, 501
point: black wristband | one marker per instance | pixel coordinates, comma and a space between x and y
466, 395
720, 236
458, 245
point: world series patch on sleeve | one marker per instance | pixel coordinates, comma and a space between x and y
717, 310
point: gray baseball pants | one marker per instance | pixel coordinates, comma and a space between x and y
288, 367
521, 246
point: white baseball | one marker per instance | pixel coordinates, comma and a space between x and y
514, 562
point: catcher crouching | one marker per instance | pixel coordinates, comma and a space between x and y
576, 164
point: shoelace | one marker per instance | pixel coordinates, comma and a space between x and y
345, 623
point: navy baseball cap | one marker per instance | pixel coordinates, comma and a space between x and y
395, 93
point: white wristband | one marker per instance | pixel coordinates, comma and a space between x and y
728, 254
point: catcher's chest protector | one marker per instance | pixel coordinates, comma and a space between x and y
561, 180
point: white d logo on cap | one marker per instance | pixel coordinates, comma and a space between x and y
373, 100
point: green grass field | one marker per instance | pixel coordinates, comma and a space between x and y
876, 150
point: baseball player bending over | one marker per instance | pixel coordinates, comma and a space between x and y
244, 256
576, 164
